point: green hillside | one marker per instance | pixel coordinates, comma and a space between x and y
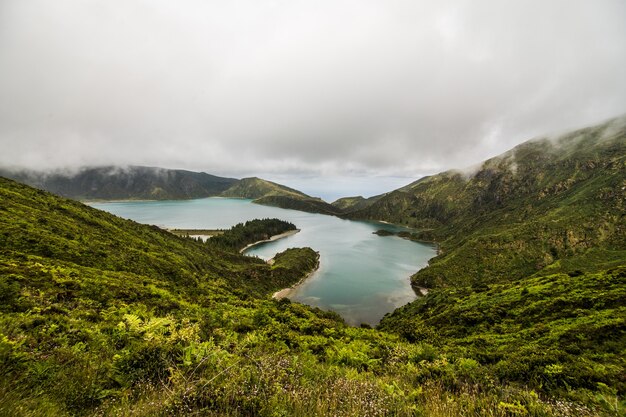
146, 183
252, 231
566, 333
349, 204
121, 183
531, 276
547, 205
311, 205
256, 188
271, 194
104, 316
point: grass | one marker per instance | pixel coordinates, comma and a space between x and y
104, 316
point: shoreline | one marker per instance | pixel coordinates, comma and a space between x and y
89, 201
420, 291
271, 239
285, 292
127, 200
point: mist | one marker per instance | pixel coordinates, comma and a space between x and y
303, 92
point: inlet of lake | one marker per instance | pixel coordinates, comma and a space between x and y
362, 276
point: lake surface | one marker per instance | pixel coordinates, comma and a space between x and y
362, 276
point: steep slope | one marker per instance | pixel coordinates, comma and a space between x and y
104, 316
271, 194
564, 331
310, 204
147, 183
256, 188
349, 204
531, 276
554, 204
36, 223
133, 182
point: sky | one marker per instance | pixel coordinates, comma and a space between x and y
330, 96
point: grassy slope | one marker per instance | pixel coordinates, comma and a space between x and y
562, 332
113, 183
503, 297
252, 231
311, 205
103, 316
271, 194
256, 188
531, 279
348, 204
554, 204
133, 182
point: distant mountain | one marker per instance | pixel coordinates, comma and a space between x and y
148, 183
106, 316
256, 188
531, 267
117, 183
308, 204
271, 194
546, 205
348, 204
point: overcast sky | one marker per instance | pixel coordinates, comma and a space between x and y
301, 90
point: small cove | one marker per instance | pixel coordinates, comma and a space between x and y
361, 276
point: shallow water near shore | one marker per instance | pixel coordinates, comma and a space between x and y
361, 276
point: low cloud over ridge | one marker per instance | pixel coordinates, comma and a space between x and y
397, 88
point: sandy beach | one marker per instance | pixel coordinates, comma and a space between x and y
284, 293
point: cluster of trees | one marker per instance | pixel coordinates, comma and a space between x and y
243, 234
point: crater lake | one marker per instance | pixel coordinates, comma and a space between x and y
362, 276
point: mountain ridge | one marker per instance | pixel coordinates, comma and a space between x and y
124, 182
525, 313
104, 316
153, 183
538, 204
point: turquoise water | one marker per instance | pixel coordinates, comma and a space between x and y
362, 276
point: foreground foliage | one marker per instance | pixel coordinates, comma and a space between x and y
563, 333
103, 316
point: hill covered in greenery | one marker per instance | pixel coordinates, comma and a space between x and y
252, 231
563, 332
531, 276
271, 194
124, 183
550, 205
310, 204
254, 188
103, 316
147, 183
349, 204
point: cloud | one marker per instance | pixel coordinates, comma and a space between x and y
300, 88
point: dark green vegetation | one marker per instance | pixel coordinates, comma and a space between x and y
104, 316
349, 204
254, 188
564, 333
311, 205
203, 232
146, 183
243, 234
530, 282
421, 236
383, 232
133, 183
271, 194
545, 206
